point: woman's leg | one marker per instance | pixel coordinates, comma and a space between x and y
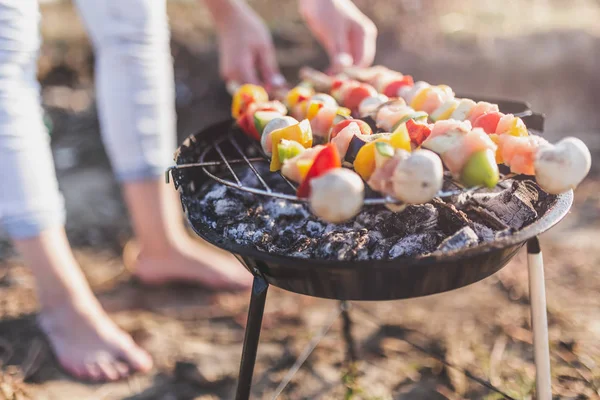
85, 340
136, 100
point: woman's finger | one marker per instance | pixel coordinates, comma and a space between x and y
363, 42
338, 48
244, 69
267, 64
334, 39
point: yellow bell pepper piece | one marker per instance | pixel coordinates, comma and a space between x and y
495, 138
518, 128
400, 138
447, 114
304, 167
364, 163
313, 109
419, 100
246, 94
300, 132
298, 94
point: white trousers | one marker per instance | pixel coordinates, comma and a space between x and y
135, 96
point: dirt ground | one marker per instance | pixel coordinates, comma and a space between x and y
545, 52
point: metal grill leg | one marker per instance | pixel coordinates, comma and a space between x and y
539, 319
251, 338
347, 331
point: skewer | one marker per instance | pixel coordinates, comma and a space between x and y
556, 167
326, 81
401, 181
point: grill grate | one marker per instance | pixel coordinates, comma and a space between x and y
250, 153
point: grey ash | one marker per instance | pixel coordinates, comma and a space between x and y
287, 228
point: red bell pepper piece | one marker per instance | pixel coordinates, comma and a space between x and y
357, 94
246, 120
488, 122
337, 83
417, 132
392, 88
246, 123
325, 161
247, 100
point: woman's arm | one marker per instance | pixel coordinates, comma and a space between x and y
246, 50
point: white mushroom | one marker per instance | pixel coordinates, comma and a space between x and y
337, 196
272, 126
418, 178
368, 106
563, 166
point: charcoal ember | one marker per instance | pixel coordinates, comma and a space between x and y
381, 247
484, 233
222, 212
232, 223
416, 244
227, 207
544, 200
344, 246
266, 221
263, 242
332, 228
281, 209
374, 236
449, 218
414, 219
372, 217
485, 217
217, 192
314, 229
465, 237
285, 237
303, 247
513, 206
243, 233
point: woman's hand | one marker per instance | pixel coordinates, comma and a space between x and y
246, 50
348, 35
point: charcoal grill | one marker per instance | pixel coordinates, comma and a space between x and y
214, 154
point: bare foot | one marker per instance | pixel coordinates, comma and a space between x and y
88, 344
189, 261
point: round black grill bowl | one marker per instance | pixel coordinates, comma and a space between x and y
362, 280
